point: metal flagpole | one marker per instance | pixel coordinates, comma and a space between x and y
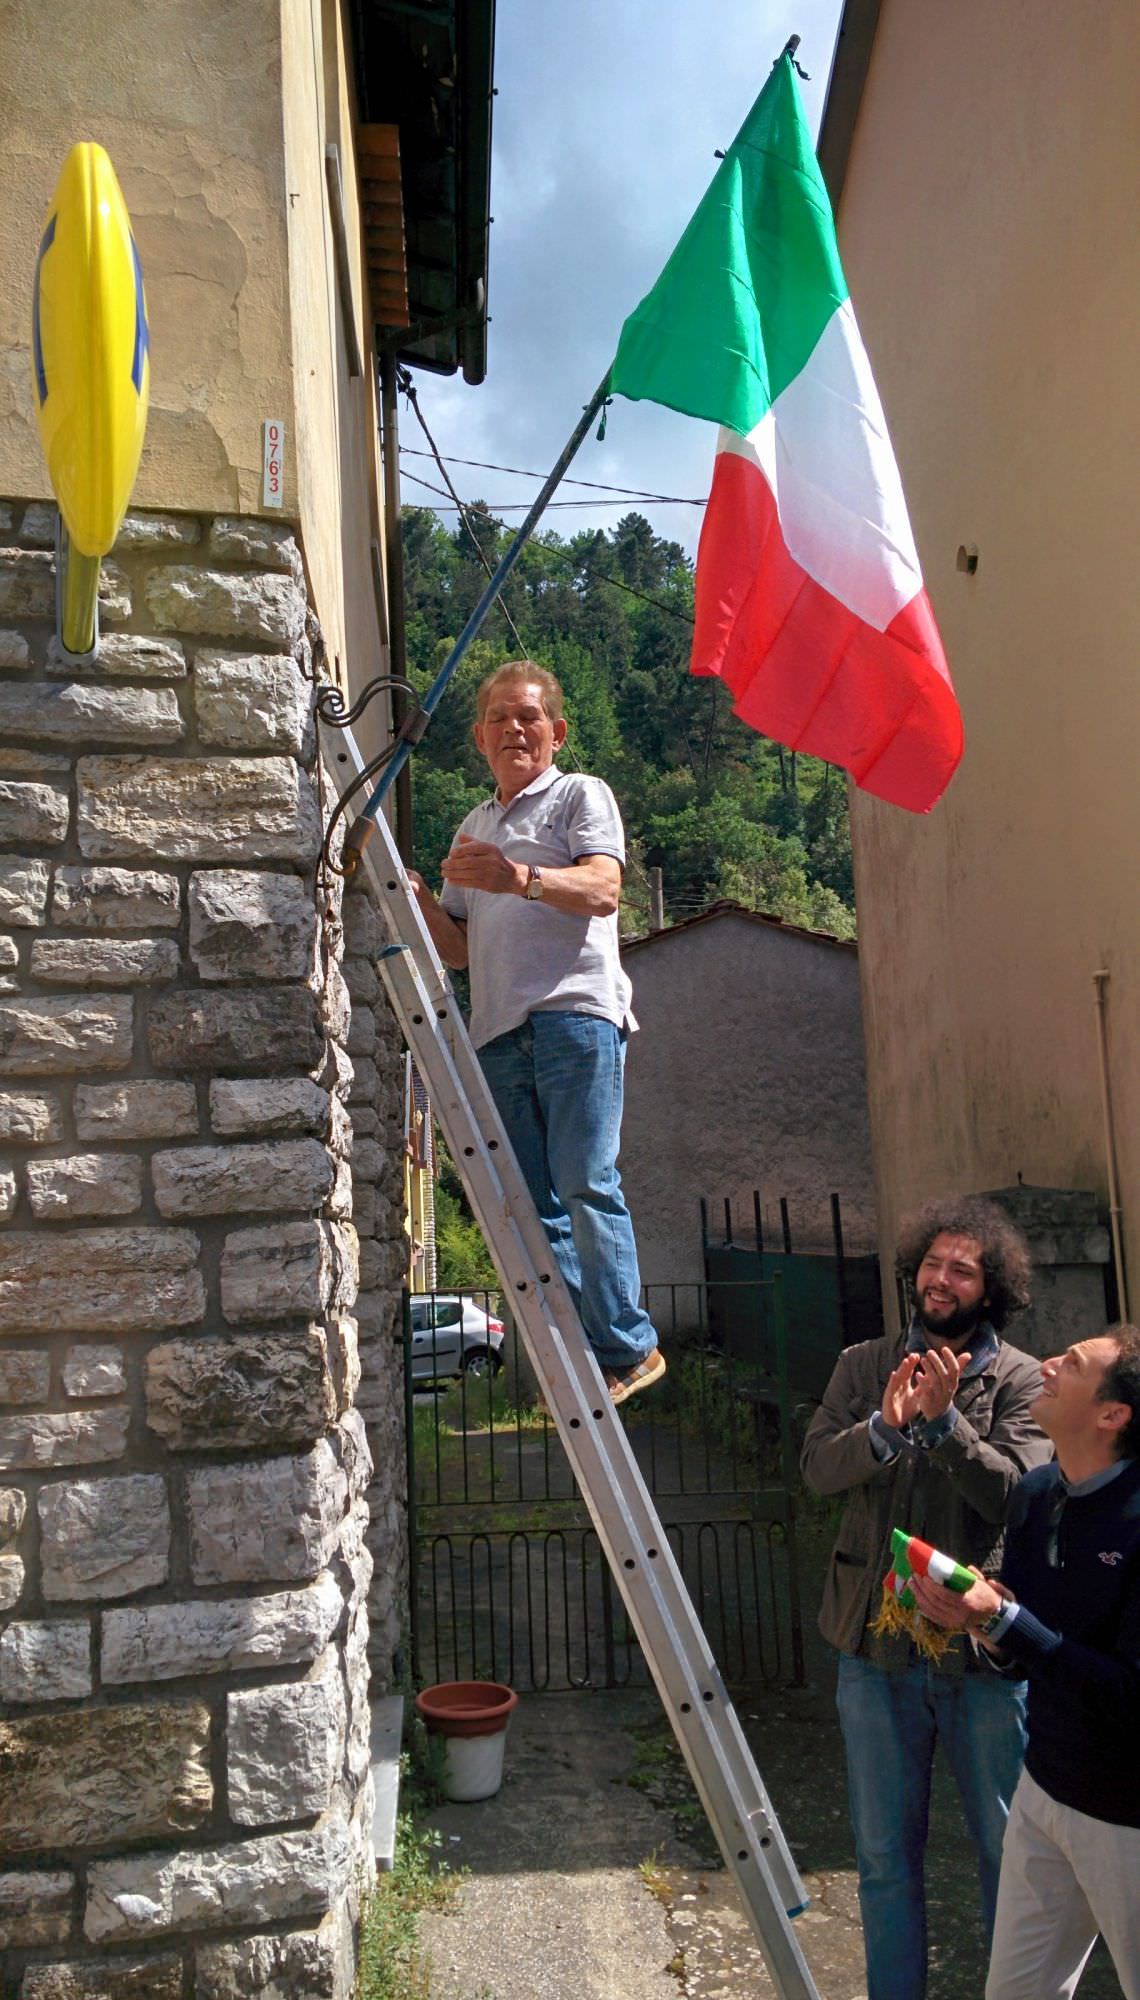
417, 722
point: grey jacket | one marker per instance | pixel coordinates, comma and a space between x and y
954, 1495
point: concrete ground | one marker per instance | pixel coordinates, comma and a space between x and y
582, 1885
593, 1876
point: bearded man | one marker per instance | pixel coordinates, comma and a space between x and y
929, 1431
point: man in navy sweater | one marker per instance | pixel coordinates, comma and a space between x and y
1067, 1615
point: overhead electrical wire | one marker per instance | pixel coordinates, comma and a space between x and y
408, 388
568, 555
597, 485
516, 506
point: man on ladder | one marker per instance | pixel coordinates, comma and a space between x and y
529, 906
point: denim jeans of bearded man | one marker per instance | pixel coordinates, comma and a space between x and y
557, 1081
891, 1723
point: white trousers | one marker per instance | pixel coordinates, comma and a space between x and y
1064, 1878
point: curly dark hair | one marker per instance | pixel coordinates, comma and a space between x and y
1122, 1385
1006, 1261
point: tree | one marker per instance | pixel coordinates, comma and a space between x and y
722, 811
440, 800
463, 1261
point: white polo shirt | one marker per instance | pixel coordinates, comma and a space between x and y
525, 958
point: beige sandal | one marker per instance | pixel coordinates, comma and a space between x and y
643, 1376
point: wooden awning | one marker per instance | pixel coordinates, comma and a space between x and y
385, 236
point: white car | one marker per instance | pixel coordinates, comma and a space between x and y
453, 1335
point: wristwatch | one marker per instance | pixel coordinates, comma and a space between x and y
997, 1617
534, 883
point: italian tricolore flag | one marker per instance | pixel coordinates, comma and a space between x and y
809, 596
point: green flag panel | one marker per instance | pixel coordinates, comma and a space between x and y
752, 283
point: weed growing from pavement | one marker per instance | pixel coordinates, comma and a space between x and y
655, 1879
659, 1771
657, 1883
427, 1760
392, 1965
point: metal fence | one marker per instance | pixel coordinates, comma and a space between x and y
831, 1296
509, 1581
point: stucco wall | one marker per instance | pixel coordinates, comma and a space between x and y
747, 1073
216, 118
333, 451
186, 97
988, 237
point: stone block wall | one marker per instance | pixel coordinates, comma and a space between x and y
184, 1472
377, 1107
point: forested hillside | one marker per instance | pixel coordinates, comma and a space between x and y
721, 811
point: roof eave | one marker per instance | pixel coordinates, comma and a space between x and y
849, 67
425, 67
478, 31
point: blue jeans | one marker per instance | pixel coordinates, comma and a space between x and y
890, 1724
557, 1082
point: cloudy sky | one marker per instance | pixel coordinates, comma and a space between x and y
606, 124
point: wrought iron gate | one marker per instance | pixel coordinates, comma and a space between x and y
508, 1581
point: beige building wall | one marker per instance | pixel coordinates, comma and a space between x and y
216, 118
334, 454
186, 97
988, 231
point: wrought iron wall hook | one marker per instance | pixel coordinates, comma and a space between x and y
337, 814
330, 702
332, 710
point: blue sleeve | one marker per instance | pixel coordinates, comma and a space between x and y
932, 1432
1109, 1682
886, 1442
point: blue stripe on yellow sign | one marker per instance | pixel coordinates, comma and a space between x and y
142, 329
37, 342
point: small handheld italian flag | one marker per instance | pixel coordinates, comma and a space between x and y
899, 1613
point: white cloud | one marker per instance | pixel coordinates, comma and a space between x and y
608, 117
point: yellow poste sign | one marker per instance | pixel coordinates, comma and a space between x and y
90, 350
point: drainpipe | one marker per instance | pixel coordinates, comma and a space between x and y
394, 564
1100, 982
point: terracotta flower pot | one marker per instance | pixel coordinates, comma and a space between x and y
472, 1717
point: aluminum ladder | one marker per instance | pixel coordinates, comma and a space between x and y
659, 1606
